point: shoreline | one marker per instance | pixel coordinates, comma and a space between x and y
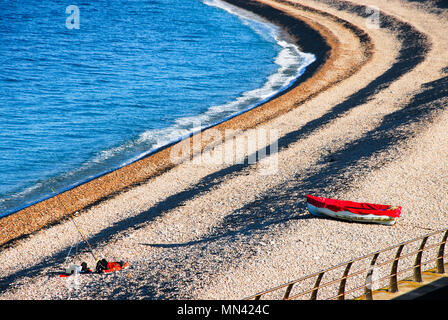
280, 36
225, 231
81, 197
273, 32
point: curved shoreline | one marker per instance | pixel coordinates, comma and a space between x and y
226, 231
218, 112
309, 36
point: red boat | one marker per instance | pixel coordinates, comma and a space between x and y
353, 211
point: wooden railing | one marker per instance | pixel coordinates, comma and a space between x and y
358, 277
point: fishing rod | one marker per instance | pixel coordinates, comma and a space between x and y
77, 227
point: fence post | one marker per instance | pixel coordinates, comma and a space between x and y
341, 292
316, 286
393, 272
368, 286
418, 261
288, 291
440, 262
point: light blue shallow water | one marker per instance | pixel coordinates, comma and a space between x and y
134, 76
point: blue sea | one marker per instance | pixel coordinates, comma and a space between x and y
81, 97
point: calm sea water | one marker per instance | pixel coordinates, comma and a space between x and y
135, 75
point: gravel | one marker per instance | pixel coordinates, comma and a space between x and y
225, 231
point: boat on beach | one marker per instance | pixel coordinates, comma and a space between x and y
353, 211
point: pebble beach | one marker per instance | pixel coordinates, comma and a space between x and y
366, 123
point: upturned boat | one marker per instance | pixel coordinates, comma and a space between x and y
353, 211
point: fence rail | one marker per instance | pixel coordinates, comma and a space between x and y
431, 245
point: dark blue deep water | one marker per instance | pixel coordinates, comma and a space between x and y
135, 75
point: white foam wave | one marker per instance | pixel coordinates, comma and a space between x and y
291, 61
291, 64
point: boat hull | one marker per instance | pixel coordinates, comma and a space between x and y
353, 211
349, 216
